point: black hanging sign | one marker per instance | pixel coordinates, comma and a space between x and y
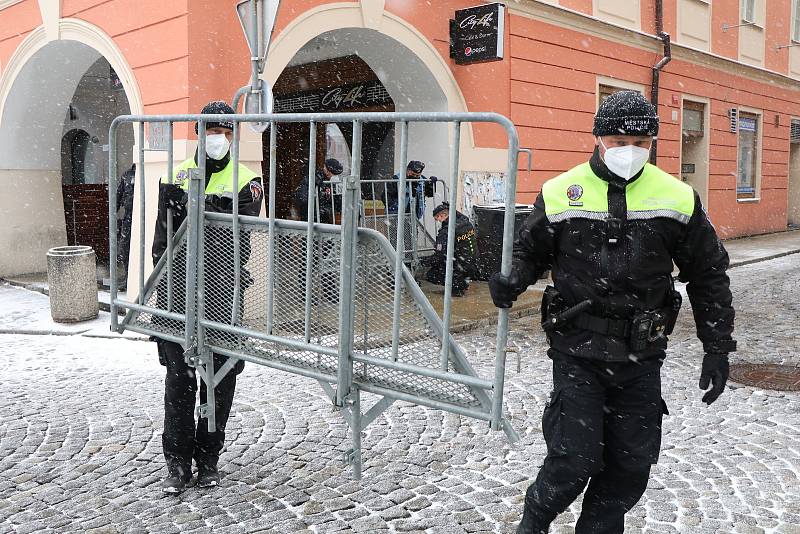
331, 99
477, 34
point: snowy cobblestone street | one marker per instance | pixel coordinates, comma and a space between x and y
81, 420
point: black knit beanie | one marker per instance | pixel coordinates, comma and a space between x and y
626, 113
444, 206
415, 166
217, 107
334, 166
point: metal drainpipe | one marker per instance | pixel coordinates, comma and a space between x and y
664, 36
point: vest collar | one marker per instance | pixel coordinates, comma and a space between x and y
214, 166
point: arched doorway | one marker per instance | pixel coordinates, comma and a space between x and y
74, 149
55, 125
358, 69
338, 84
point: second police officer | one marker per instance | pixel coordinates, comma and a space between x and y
609, 231
184, 438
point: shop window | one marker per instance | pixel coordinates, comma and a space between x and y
749, 10
748, 164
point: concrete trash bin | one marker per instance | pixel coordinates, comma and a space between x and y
71, 276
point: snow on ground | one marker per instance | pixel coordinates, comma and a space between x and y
81, 419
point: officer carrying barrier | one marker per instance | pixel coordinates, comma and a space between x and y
332, 302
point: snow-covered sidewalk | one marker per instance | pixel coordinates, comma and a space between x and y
81, 420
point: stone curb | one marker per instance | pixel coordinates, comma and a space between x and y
461, 327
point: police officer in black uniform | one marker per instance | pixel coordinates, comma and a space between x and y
328, 205
609, 231
184, 439
421, 188
464, 251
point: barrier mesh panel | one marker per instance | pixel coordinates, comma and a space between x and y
373, 299
158, 298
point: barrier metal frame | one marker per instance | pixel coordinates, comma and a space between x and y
341, 387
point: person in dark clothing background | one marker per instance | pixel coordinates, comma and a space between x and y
184, 440
464, 251
125, 192
609, 230
423, 187
327, 204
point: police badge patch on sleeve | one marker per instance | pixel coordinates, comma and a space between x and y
256, 190
574, 193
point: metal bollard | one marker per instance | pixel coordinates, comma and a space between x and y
71, 276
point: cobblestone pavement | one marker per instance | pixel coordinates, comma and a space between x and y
80, 424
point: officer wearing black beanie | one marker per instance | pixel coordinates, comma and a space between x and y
185, 439
610, 231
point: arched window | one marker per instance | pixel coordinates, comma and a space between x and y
74, 146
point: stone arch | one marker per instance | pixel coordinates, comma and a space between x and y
71, 30
32, 108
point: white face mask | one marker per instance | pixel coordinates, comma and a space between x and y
217, 146
625, 161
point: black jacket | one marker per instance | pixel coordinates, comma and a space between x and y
465, 250
218, 244
631, 276
250, 198
325, 197
422, 187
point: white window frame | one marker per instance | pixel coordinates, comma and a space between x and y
744, 7
796, 21
710, 18
759, 139
622, 85
8, 3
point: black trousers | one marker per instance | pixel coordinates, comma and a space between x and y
602, 426
437, 272
184, 440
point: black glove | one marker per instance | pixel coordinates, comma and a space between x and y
505, 289
319, 178
176, 197
715, 372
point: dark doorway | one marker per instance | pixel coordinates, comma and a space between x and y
74, 146
341, 84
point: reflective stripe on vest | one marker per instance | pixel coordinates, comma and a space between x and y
220, 183
578, 193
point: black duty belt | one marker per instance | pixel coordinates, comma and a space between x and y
603, 325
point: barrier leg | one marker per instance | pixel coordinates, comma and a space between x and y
353, 456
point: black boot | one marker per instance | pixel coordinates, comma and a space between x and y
207, 474
176, 480
529, 525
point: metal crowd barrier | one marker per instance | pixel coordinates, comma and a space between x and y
335, 303
375, 212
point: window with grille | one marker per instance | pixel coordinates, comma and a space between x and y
794, 131
747, 173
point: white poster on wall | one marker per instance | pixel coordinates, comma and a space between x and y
482, 188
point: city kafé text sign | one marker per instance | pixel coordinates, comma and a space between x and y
477, 34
